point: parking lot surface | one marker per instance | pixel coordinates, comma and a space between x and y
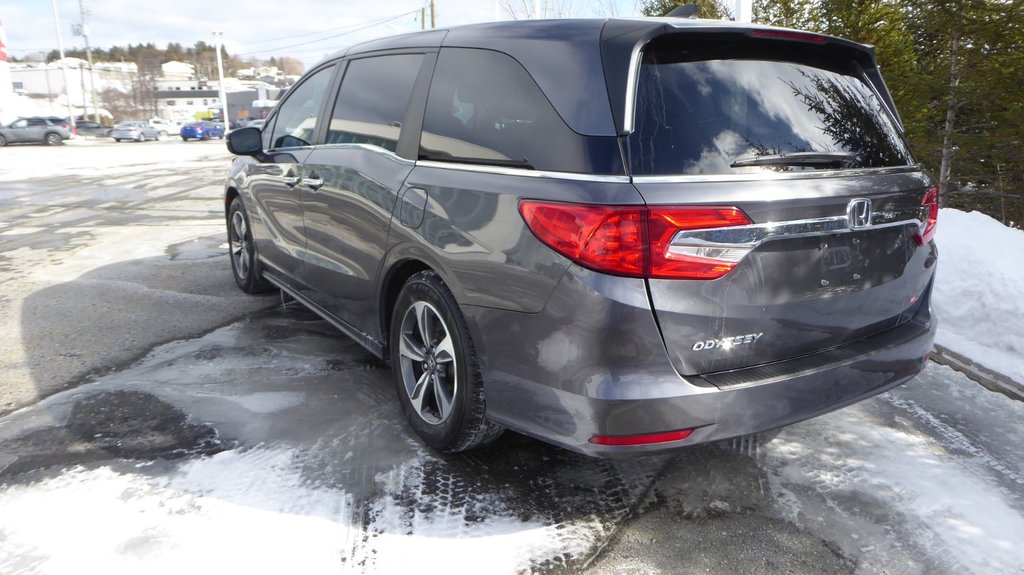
156, 419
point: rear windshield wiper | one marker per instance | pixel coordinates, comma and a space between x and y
811, 159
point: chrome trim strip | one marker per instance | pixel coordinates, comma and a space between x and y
770, 175
754, 235
631, 79
367, 147
523, 172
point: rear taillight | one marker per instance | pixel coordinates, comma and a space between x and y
929, 216
634, 241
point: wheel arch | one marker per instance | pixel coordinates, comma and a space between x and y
394, 280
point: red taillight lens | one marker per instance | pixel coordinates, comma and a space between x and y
929, 215
605, 238
641, 439
667, 263
633, 241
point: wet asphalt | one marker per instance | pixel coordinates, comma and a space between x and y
127, 349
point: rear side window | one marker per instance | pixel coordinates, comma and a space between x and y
373, 100
484, 108
697, 114
297, 119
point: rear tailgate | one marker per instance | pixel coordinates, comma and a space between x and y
808, 283
797, 137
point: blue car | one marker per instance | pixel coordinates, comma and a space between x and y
202, 131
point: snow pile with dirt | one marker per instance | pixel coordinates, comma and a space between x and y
979, 290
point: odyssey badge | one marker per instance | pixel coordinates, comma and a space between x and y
728, 342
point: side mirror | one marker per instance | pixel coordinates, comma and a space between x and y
245, 142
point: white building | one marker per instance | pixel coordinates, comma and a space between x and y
43, 83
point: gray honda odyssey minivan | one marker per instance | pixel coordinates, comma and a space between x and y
618, 236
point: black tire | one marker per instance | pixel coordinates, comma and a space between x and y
184, 139
3, 141
52, 139
242, 251
118, 140
424, 369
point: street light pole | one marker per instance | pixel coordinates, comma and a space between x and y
220, 76
63, 66
88, 56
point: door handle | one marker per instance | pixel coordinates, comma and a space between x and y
291, 181
313, 183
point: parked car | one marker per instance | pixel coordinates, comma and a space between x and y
166, 127
202, 131
37, 129
137, 131
255, 124
618, 236
90, 128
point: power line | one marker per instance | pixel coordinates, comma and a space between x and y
369, 25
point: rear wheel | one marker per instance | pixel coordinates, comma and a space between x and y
52, 139
3, 141
118, 140
243, 251
435, 368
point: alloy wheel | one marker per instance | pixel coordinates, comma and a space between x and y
428, 363
240, 245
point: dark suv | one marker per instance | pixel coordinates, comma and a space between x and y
618, 236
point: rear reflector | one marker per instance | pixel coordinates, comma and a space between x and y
635, 241
641, 439
929, 215
787, 35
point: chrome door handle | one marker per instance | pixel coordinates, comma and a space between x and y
291, 181
313, 183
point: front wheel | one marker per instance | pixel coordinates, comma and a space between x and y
435, 368
3, 141
52, 139
243, 251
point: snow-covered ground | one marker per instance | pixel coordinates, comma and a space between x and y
979, 290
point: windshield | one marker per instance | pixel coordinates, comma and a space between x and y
742, 115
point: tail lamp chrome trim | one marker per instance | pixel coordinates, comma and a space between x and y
733, 243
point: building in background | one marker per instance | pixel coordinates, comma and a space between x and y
7, 112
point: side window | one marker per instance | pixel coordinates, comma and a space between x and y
373, 99
484, 108
36, 122
20, 123
296, 120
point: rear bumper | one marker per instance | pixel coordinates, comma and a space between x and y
592, 363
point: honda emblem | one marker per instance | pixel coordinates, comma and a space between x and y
859, 213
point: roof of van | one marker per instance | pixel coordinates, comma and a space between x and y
565, 56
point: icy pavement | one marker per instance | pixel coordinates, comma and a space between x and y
275, 445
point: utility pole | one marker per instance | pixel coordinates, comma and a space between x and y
223, 92
88, 56
433, 15
423, 18
63, 66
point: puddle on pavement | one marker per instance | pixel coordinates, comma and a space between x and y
202, 248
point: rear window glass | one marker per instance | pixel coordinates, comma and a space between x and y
696, 115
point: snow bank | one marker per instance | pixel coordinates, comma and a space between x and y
979, 290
